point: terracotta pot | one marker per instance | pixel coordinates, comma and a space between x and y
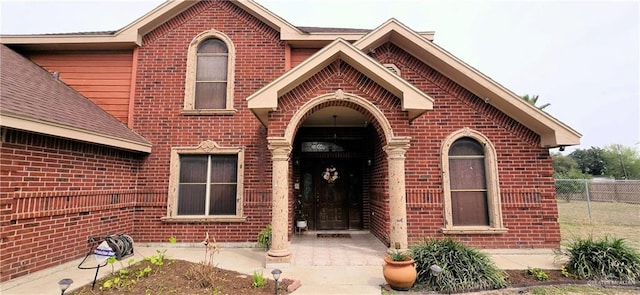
400, 275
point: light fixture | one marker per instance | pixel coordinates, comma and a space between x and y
276, 275
335, 136
435, 270
64, 285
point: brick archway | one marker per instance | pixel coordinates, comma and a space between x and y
378, 117
395, 147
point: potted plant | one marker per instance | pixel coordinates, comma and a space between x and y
399, 270
299, 214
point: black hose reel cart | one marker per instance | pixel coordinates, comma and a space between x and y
103, 247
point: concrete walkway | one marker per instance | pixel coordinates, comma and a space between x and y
329, 265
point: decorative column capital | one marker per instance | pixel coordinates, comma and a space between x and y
280, 148
397, 147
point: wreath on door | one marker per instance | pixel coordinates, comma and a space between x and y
330, 174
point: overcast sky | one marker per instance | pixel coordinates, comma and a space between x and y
582, 57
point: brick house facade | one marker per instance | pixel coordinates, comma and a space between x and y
392, 118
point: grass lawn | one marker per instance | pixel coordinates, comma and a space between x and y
619, 220
579, 289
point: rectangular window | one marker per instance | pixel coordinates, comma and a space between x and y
207, 185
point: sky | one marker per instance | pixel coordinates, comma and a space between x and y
582, 57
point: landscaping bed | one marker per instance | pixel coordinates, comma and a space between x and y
173, 278
520, 278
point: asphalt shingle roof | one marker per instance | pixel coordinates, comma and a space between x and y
29, 91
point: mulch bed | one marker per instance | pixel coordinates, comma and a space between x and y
171, 279
519, 278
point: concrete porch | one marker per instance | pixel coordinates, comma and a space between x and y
330, 265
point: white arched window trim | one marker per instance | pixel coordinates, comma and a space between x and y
192, 64
493, 189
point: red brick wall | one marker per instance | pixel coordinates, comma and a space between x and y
55, 193
524, 169
159, 100
84, 190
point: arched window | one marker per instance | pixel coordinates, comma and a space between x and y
210, 73
470, 182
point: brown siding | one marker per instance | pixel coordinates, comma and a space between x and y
298, 55
103, 77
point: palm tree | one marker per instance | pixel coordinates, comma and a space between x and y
533, 100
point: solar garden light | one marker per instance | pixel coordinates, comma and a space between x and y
276, 275
64, 285
435, 270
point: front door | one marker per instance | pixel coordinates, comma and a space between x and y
332, 192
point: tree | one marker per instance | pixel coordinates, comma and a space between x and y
533, 100
590, 161
568, 176
621, 162
563, 164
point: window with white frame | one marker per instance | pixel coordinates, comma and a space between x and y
206, 183
470, 183
210, 75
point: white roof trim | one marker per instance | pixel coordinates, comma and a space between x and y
414, 101
53, 129
131, 35
553, 133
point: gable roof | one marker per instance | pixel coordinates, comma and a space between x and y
553, 133
414, 101
131, 35
34, 100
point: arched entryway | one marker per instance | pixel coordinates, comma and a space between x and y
310, 152
333, 159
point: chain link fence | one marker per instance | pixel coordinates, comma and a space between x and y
621, 191
599, 207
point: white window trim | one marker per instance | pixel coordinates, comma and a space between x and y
190, 80
204, 148
493, 189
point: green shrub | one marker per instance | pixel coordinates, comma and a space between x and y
264, 237
258, 279
539, 274
463, 268
605, 259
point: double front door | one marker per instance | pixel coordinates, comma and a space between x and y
331, 192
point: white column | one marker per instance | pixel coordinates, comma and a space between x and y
279, 252
396, 150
